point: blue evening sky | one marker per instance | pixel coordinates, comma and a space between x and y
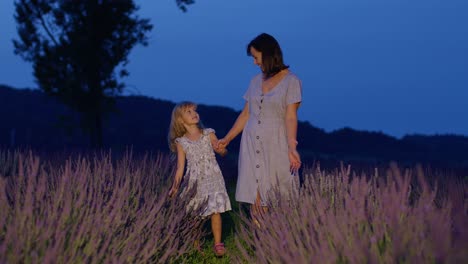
395, 66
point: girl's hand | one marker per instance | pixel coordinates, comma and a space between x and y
294, 161
222, 143
222, 152
218, 148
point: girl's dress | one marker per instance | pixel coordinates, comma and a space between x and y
203, 170
263, 154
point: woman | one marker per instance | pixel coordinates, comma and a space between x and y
268, 157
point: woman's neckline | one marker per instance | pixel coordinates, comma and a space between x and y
276, 85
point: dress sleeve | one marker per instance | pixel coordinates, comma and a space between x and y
181, 142
207, 131
247, 93
294, 92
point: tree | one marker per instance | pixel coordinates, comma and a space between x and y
182, 4
79, 49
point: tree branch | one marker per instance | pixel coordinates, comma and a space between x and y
44, 25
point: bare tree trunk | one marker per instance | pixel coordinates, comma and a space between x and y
98, 129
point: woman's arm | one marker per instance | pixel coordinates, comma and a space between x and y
179, 170
236, 128
291, 124
291, 133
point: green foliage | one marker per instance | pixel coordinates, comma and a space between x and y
76, 48
182, 4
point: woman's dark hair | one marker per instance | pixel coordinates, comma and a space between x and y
272, 57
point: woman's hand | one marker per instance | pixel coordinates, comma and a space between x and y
222, 143
294, 161
218, 148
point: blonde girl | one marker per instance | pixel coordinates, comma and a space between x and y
194, 145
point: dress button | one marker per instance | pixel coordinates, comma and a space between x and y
259, 122
257, 180
258, 151
258, 137
258, 166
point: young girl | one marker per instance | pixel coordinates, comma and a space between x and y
195, 144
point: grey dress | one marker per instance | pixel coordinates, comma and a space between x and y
203, 169
263, 156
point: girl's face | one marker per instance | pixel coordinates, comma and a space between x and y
257, 56
190, 116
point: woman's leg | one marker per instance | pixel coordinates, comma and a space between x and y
257, 210
216, 227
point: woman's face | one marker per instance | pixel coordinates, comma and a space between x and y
257, 56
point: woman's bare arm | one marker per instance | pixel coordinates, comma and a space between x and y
236, 128
291, 133
291, 124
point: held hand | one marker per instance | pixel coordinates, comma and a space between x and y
222, 152
216, 146
294, 161
222, 143
219, 148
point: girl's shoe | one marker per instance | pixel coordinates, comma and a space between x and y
219, 249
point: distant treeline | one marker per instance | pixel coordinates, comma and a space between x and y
31, 119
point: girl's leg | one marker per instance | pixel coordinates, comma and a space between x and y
216, 227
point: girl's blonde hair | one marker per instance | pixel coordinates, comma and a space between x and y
176, 128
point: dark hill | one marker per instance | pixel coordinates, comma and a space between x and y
31, 119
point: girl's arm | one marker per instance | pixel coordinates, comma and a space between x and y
179, 170
221, 150
291, 133
236, 128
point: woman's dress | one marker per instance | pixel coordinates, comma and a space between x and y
263, 155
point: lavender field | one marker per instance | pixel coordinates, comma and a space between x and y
90, 211
103, 209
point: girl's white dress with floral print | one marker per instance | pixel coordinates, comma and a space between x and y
203, 169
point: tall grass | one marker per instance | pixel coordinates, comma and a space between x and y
92, 210
97, 209
337, 217
8, 162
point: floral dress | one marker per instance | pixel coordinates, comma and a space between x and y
203, 170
